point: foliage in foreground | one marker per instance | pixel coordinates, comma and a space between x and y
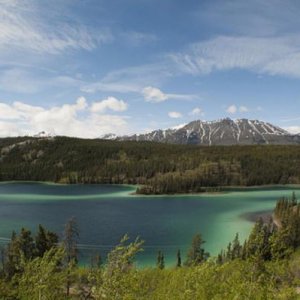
236, 279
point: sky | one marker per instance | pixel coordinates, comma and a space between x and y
91, 67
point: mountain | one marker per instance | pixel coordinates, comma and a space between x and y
43, 134
109, 136
219, 132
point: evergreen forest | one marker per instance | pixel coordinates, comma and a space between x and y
155, 168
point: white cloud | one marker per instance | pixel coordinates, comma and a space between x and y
9, 129
265, 55
174, 115
293, 129
232, 109
152, 94
75, 119
197, 111
109, 103
24, 27
155, 95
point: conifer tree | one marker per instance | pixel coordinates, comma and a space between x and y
12, 256
236, 248
44, 241
281, 244
26, 243
196, 255
178, 264
229, 252
221, 257
71, 236
244, 250
41, 241
160, 263
258, 241
294, 199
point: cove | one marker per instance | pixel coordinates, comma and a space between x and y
106, 212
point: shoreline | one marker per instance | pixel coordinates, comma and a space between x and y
265, 215
223, 189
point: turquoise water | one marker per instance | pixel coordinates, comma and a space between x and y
106, 212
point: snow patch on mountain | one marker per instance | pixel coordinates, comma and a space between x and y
220, 132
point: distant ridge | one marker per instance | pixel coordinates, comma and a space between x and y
219, 132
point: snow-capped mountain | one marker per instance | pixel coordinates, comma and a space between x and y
220, 132
109, 136
43, 134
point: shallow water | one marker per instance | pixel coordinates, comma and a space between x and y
106, 212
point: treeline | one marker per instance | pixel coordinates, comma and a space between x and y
157, 168
266, 266
272, 241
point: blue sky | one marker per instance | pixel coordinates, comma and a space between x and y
90, 67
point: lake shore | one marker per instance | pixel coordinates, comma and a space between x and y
255, 216
226, 189
134, 187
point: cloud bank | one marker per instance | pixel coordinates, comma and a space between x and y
79, 119
175, 115
263, 55
22, 28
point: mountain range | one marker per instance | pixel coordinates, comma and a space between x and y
219, 132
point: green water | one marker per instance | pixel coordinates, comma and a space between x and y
106, 212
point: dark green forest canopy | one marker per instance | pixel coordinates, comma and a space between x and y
159, 168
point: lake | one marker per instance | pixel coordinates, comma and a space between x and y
105, 213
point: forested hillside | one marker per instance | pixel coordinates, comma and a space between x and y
159, 168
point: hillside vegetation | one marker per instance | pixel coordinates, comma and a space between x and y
159, 168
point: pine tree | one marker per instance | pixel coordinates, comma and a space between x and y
281, 244
229, 252
71, 236
236, 248
41, 241
178, 264
258, 242
26, 243
221, 257
244, 253
44, 240
196, 255
294, 199
12, 256
160, 263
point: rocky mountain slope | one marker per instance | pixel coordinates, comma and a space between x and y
220, 132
